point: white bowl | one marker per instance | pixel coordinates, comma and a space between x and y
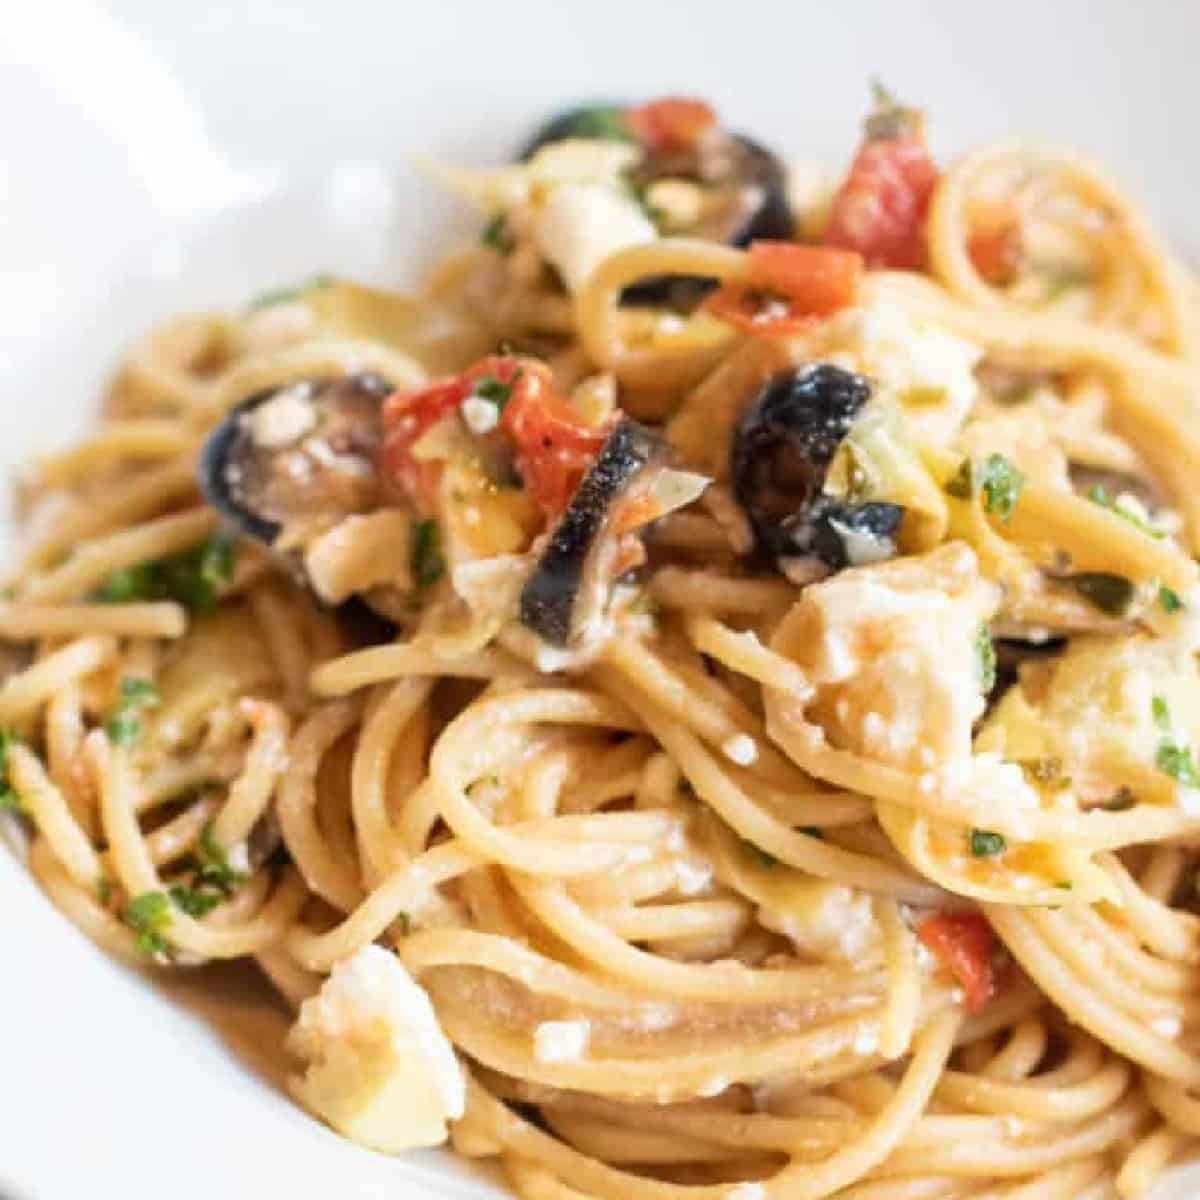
159, 157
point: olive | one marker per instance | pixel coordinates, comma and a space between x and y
302, 455
782, 448
568, 587
744, 185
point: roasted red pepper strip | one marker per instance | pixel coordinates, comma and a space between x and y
964, 943
672, 123
787, 286
406, 417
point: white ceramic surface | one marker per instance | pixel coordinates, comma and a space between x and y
156, 155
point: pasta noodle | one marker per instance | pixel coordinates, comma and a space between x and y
791, 794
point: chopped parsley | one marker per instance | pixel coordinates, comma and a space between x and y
9, 800
986, 653
426, 554
488, 387
605, 121
497, 234
1172, 759
996, 478
104, 891
212, 866
986, 844
1176, 761
149, 916
193, 901
123, 725
1065, 884
1111, 594
1168, 600
1098, 494
1001, 483
193, 577
285, 295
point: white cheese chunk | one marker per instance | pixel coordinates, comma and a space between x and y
579, 225
283, 419
379, 1068
480, 415
561, 1041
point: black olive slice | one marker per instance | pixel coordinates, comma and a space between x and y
303, 453
568, 585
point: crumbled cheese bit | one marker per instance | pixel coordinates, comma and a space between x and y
747, 1191
740, 748
561, 1041
380, 1070
1166, 1025
866, 1041
284, 418
691, 878
479, 414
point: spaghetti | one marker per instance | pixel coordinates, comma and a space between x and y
751, 691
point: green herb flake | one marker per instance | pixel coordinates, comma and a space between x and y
497, 234
194, 577
1098, 494
604, 121
1176, 761
986, 844
284, 295
1065, 884
488, 387
1160, 712
1111, 594
1001, 483
426, 556
212, 869
104, 891
194, 902
123, 726
135, 690
1168, 600
128, 583
149, 916
9, 800
986, 653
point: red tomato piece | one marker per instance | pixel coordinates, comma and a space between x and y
672, 123
759, 313
817, 279
788, 286
881, 206
552, 446
964, 942
406, 417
